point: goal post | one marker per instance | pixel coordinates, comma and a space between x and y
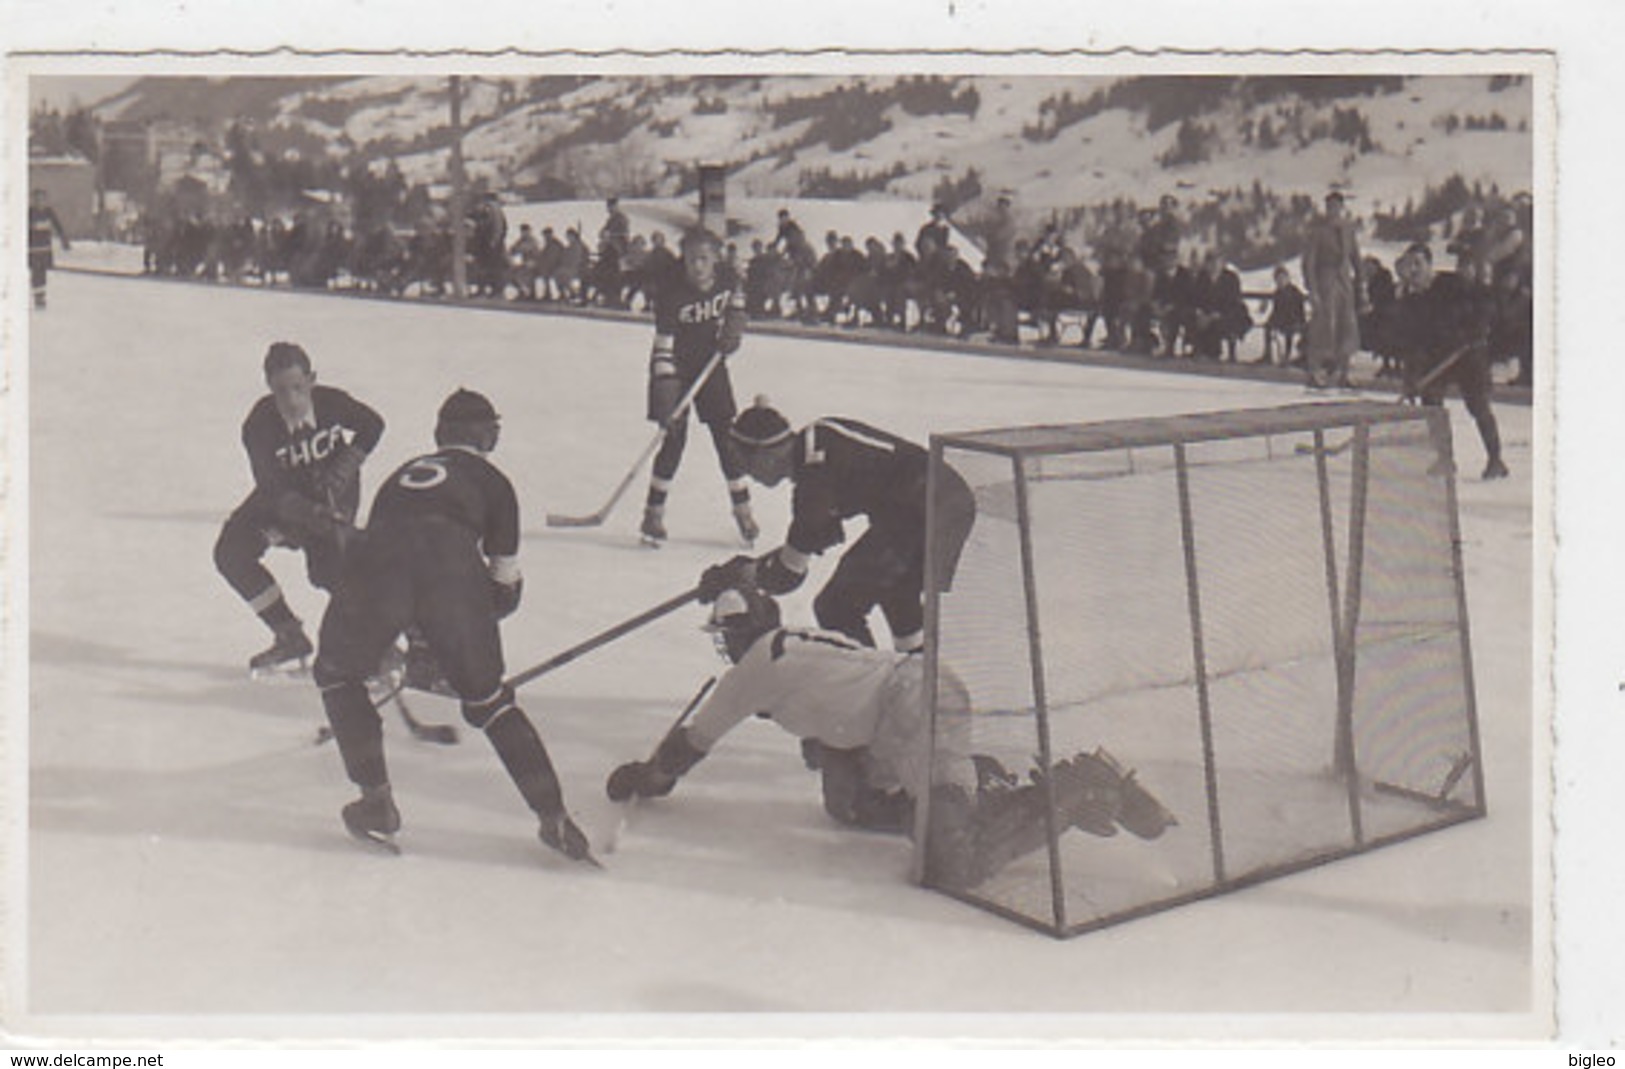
1257, 617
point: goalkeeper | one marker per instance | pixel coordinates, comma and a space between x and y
864, 711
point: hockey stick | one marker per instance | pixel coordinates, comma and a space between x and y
444, 734
682, 718
631, 801
604, 637
1303, 449
1415, 389
595, 519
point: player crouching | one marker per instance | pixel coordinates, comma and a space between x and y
861, 714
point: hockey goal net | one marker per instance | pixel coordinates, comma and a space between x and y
1259, 613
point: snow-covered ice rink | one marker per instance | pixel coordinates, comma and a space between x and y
187, 874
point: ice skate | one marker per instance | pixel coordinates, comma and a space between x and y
1140, 811
560, 833
288, 652
1088, 792
652, 532
748, 530
990, 772
373, 818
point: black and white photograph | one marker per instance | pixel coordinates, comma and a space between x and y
646, 547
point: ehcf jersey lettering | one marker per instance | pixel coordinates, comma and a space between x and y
704, 311
312, 450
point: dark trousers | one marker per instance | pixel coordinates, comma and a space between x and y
885, 568
249, 532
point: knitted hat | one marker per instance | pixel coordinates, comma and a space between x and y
760, 426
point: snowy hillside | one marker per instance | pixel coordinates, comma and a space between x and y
1056, 142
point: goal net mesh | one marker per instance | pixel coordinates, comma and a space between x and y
1259, 613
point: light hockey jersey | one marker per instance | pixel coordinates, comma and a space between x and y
814, 684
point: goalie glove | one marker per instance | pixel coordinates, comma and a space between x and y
655, 777
340, 472
736, 571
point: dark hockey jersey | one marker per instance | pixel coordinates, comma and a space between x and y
458, 484
1450, 314
844, 468
287, 458
42, 224
687, 318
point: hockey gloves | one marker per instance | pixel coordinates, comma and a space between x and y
505, 596
655, 777
731, 332
768, 573
340, 473
739, 571
306, 518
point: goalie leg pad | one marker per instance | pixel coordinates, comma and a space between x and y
972, 837
842, 779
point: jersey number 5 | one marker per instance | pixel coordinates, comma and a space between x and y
424, 474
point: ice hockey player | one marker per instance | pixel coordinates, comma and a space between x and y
441, 554
43, 224
842, 468
305, 444
864, 712
698, 313
1442, 333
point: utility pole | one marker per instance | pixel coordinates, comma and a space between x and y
459, 182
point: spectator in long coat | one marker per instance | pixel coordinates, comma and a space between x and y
1331, 275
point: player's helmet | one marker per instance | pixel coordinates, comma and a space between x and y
760, 426
467, 418
740, 616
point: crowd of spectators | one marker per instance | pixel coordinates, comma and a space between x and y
1140, 283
